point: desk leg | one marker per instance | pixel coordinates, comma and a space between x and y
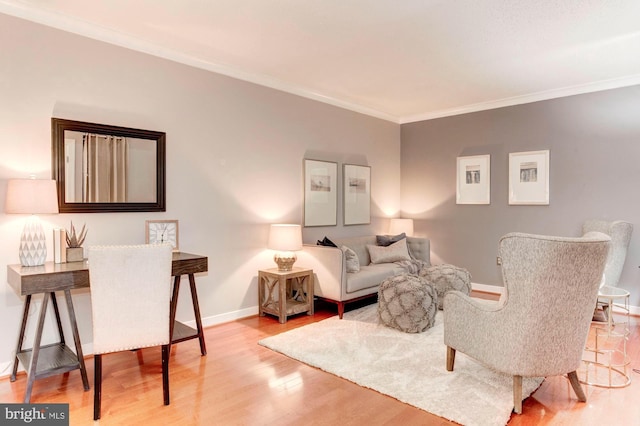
173, 307
76, 337
196, 311
33, 365
23, 328
56, 311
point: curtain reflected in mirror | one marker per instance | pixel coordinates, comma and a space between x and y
104, 168
109, 169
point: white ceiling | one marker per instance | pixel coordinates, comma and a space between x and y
400, 60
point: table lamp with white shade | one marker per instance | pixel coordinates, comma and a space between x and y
398, 226
33, 197
285, 239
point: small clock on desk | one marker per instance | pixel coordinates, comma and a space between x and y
162, 231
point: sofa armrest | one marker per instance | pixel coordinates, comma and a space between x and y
329, 269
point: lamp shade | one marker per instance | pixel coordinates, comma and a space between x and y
31, 196
398, 226
285, 237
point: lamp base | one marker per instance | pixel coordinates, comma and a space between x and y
285, 260
33, 244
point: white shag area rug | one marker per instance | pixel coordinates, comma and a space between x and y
408, 367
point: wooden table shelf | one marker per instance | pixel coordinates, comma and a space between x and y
53, 359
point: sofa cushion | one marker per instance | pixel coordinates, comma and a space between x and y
393, 253
371, 276
351, 259
359, 245
387, 240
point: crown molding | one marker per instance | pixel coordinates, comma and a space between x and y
77, 26
597, 86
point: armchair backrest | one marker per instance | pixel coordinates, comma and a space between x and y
620, 233
551, 285
130, 296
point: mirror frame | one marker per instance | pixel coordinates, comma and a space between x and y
58, 127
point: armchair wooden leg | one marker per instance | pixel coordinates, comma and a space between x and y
451, 358
517, 394
577, 388
165, 373
97, 386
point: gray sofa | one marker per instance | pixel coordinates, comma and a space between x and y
332, 281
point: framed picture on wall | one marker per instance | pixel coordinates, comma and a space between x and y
320, 193
473, 180
357, 194
529, 178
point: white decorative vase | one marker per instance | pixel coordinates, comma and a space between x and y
33, 247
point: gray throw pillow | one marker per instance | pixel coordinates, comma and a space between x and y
393, 253
351, 258
387, 240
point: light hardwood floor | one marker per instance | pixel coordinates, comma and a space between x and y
242, 383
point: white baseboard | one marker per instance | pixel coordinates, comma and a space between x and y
226, 317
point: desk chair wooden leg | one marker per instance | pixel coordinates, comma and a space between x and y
165, 373
97, 386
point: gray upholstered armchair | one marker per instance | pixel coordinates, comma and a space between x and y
540, 327
620, 233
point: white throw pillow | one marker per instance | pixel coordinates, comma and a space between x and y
393, 253
351, 258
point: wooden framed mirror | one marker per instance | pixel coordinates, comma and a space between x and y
103, 168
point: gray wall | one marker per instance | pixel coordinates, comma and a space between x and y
234, 159
594, 144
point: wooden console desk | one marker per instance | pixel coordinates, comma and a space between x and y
44, 361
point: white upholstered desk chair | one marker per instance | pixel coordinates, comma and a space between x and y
130, 298
540, 328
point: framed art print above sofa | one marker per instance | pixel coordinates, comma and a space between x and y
320, 193
357, 194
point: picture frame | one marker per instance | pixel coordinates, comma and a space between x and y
473, 179
356, 192
162, 231
320, 193
529, 178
